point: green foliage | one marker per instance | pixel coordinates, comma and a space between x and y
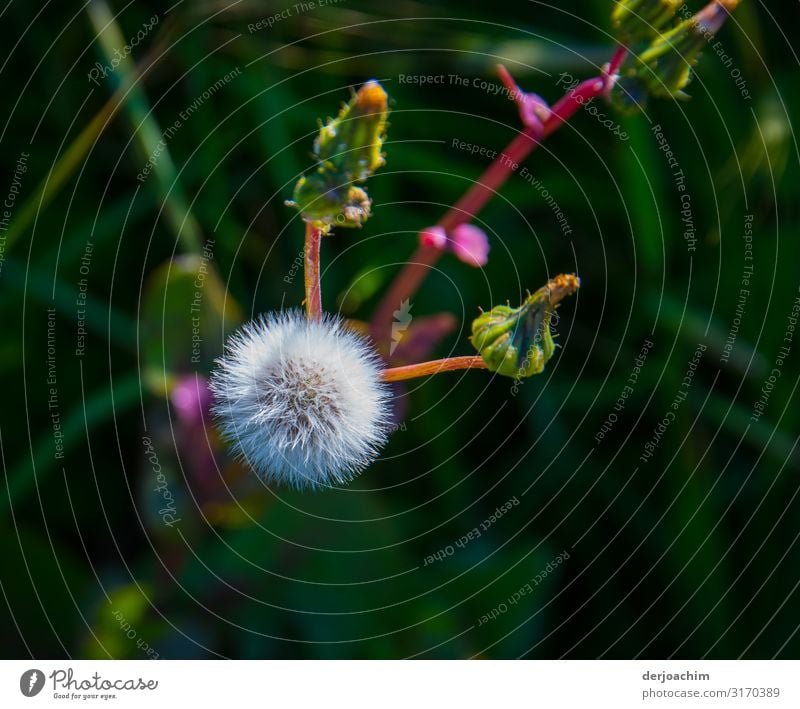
172, 343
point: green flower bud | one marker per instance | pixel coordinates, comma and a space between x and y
666, 66
639, 20
516, 342
320, 200
628, 94
348, 148
351, 143
355, 208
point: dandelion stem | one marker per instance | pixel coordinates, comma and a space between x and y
425, 369
413, 273
312, 272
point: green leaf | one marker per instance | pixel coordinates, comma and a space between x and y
186, 317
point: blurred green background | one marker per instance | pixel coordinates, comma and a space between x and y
691, 554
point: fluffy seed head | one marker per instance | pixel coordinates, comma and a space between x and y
301, 400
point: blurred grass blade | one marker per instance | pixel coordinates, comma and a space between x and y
73, 156
95, 409
147, 132
62, 170
49, 291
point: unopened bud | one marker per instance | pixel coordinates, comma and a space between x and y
348, 148
328, 204
516, 342
667, 63
351, 143
640, 20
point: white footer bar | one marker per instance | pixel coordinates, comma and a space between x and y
400, 685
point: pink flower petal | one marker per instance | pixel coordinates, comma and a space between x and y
470, 244
434, 236
191, 398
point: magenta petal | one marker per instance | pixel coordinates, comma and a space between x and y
191, 398
434, 236
470, 244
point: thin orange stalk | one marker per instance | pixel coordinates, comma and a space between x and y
425, 369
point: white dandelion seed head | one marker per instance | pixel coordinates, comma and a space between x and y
301, 401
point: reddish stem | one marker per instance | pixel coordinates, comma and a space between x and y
517, 150
616, 61
425, 369
312, 272
404, 285
491, 180
424, 258
568, 104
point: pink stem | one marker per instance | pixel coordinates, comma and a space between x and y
566, 107
616, 61
404, 285
517, 150
491, 180
424, 258
312, 272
